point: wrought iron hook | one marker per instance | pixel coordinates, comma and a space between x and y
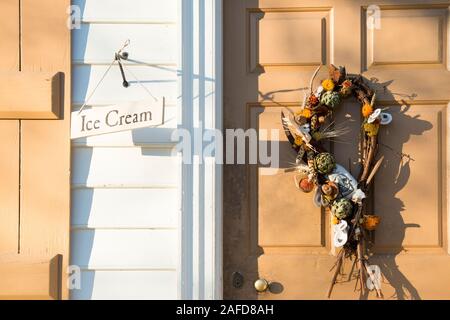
123, 55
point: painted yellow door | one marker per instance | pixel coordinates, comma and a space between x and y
272, 230
35, 153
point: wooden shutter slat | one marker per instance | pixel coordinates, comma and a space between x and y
31, 277
9, 134
30, 95
9, 35
45, 200
35, 157
9, 186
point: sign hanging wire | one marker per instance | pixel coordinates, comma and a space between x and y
139, 82
116, 59
96, 87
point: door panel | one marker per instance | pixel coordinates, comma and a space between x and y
273, 230
415, 189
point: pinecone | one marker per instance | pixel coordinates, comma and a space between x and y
324, 163
342, 208
331, 99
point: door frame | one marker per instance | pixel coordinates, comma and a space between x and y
200, 185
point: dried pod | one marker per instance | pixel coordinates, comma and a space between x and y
346, 88
321, 119
370, 222
330, 189
305, 185
313, 100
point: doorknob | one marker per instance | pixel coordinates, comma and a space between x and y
261, 285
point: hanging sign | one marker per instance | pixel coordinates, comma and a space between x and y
120, 117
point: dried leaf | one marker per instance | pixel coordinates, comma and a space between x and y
335, 74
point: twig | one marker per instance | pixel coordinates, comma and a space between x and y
356, 220
356, 282
338, 265
352, 270
360, 258
314, 76
374, 170
310, 85
370, 156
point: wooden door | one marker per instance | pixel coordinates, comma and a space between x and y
271, 229
34, 148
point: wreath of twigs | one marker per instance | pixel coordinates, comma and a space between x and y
335, 188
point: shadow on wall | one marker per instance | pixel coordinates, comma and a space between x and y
81, 196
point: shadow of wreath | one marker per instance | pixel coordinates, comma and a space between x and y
396, 173
396, 169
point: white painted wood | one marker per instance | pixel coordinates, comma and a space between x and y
213, 288
124, 285
149, 43
161, 81
148, 137
125, 211
201, 108
126, 11
128, 251
124, 208
97, 167
186, 82
124, 249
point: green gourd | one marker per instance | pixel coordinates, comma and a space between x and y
342, 208
330, 99
324, 163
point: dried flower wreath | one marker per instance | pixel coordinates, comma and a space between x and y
335, 188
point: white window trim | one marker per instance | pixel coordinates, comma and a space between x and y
200, 109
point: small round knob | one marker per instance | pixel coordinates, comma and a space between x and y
124, 55
261, 285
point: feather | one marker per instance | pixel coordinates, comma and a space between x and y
372, 101
285, 122
331, 131
299, 169
290, 124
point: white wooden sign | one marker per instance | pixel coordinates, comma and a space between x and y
120, 117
